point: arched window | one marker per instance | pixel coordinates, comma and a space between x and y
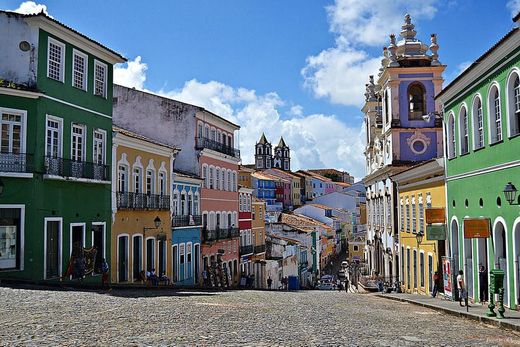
495, 119
451, 137
387, 110
463, 131
416, 101
513, 97
217, 175
205, 176
211, 177
478, 124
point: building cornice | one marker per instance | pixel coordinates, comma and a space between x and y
20, 93
142, 145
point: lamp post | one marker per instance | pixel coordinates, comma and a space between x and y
157, 223
419, 237
510, 194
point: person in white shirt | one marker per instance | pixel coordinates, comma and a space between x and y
461, 287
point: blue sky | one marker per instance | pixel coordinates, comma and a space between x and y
293, 68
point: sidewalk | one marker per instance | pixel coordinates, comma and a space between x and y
476, 311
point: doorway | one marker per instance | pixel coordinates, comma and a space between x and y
98, 241
137, 257
468, 267
52, 248
122, 260
516, 250
500, 256
150, 254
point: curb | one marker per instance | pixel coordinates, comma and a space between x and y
482, 319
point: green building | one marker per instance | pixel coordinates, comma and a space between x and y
55, 147
482, 128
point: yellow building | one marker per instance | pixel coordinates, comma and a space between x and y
244, 176
141, 207
420, 251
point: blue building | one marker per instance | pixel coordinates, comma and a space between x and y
186, 229
265, 189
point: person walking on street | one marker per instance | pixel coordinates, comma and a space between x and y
104, 273
483, 283
269, 282
435, 284
462, 288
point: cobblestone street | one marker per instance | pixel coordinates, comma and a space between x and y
34, 317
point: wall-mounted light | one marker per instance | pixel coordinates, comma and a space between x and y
510, 193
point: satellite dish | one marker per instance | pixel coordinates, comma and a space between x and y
24, 46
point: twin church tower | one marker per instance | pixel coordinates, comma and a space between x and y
265, 159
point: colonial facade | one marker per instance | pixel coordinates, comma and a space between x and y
398, 135
141, 207
258, 215
247, 248
420, 188
186, 229
56, 121
481, 116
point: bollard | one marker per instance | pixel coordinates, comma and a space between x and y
501, 308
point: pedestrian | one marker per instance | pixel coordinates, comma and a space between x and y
269, 282
104, 273
483, 283
435, 284
205, 277
462, 288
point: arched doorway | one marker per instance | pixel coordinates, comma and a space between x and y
482, 251
499, 234
516, 251
454, 245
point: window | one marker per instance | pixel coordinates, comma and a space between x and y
10, 234
234, 182
100, 79
205, 176
421, 268
190, 204
55, 60
12, 133
217, 174
213, 134
199, 130
78, 142
79, 70
183, 204
417, 101
122, 179
150, 189
99, 147
513, 93
137, 180
478, 124
495, 121
402, 214
356, 248
451, 137
207, 132
407, 215
211, 171
53, 137
162, 183
175, 200
464, 132
230, 187
421, 214
196, 204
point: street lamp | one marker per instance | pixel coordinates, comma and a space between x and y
510, 193
156, 222
419, 236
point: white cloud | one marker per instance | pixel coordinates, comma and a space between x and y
30, 7
131, 74
312, 147
339, 73
513, 6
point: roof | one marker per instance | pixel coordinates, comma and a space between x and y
141, 137
181, 173
264, 176
517, 17
263, 140
479, 60
43, 16
301, 221
282, 142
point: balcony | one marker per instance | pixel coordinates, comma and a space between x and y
249, 249
184, 221
78, 169
16, 162
202, 142
219, 234
259, 249
138, 201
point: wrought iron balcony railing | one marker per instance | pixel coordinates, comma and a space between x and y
16, 162
259, 249
78, 169
249, 249
138, 201
220, 234
183, 221
202, 142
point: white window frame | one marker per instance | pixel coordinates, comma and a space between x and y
150, 174
60, 134
451, 136
60, 245
75, 53
127, 254
62, 59
163, 183
463, 130
493, 122
82, 224
23, 115
104, 225
478, 126
105, 86
104, 144
84, 137
513, 121
155, 253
